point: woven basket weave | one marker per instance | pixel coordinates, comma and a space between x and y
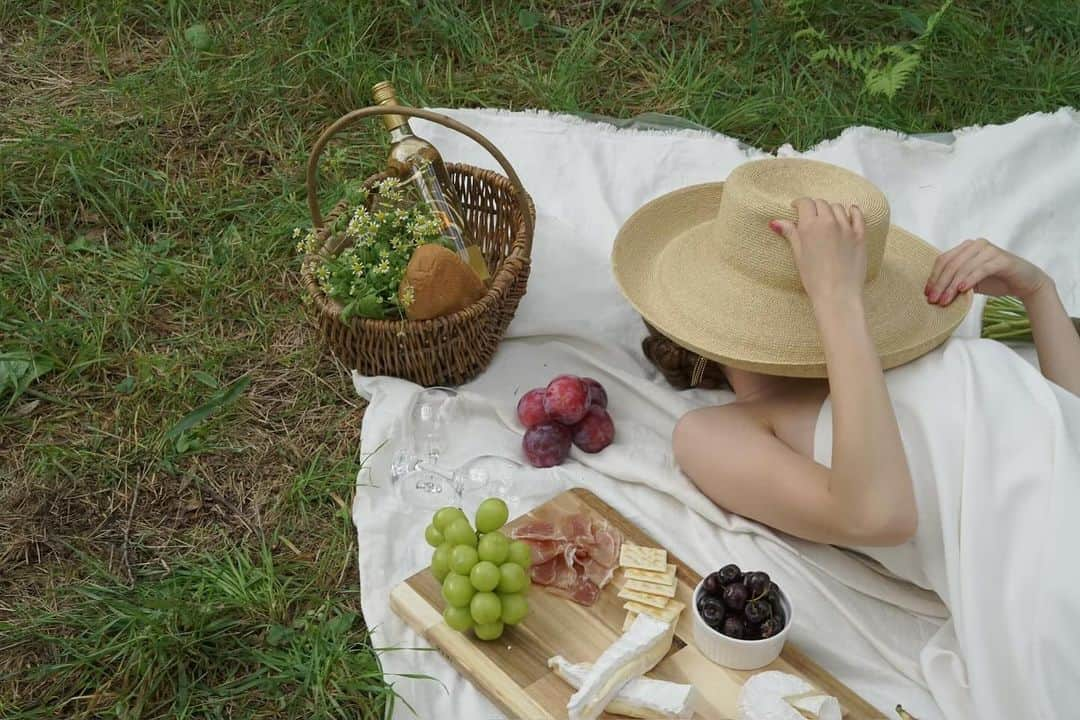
448, 350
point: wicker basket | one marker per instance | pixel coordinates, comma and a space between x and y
448, 350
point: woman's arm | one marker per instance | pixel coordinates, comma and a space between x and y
869, 476
732, 454
986, 268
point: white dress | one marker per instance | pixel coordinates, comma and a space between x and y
994, 454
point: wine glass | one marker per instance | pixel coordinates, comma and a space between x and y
414, 467
487, 476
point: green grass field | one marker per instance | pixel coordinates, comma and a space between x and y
176, 456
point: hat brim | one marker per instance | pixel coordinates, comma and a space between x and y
661, 263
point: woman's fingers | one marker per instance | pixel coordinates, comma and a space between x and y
785, 228
948, 265
805, 207
858, 224
976, 275
841, 214
823, 208
982, 258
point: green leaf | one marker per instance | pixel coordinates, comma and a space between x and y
341, 624
529, 19
219, 400
206, 379
933, 20
913, 21
18, 370
199, 37
125, 386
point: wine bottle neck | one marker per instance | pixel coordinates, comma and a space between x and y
400, 132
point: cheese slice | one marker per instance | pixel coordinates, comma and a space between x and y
669, 613
775, 695
642, 697
642, 558
667, 591
633, 654
643, 598
667, 577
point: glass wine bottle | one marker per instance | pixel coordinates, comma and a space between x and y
417, 162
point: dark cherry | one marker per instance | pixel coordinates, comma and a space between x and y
751, 631
729, 574
757, 611
757, 583
770, 627
735, 596
712, 610
773, 598
734, 627
713, 585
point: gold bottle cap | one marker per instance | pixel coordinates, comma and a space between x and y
384, 94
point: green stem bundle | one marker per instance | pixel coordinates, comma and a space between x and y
1006, 318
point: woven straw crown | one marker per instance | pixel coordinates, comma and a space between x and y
758, 192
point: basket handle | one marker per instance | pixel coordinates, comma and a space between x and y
347, 118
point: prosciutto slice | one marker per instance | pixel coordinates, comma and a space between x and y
574, 555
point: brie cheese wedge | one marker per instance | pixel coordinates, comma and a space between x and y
640, 698
775, 695
633, 654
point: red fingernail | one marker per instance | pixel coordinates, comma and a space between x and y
775, 227
934, 295
962, 287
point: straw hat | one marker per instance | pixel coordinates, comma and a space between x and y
702, 266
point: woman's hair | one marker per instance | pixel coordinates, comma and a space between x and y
678, 365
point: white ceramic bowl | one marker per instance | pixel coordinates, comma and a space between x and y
739, 654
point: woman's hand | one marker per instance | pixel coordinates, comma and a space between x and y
988, 269
829, 250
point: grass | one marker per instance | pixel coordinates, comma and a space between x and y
176, 456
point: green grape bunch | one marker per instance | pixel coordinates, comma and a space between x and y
484, 575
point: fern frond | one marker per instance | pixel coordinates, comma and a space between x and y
888, 80
811, 33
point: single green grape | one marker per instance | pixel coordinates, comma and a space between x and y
489, 631
444, 516
458, 618
512, 578
520, 553
440, 561
485, 607
433, 536
460, 532
485, 576
494, 547
457, 590
514, 608
491, 515
462, 559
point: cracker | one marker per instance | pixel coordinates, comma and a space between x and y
668, 614
667, 591
667, 577
631, 616
643, 558
643, 598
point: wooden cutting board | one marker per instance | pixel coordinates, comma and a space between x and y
512, 671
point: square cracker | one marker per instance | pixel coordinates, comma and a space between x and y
643, 558
667, 614
667, 591
667, 577
631, 616
643, 598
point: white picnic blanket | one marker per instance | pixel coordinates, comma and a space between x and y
1015, 184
